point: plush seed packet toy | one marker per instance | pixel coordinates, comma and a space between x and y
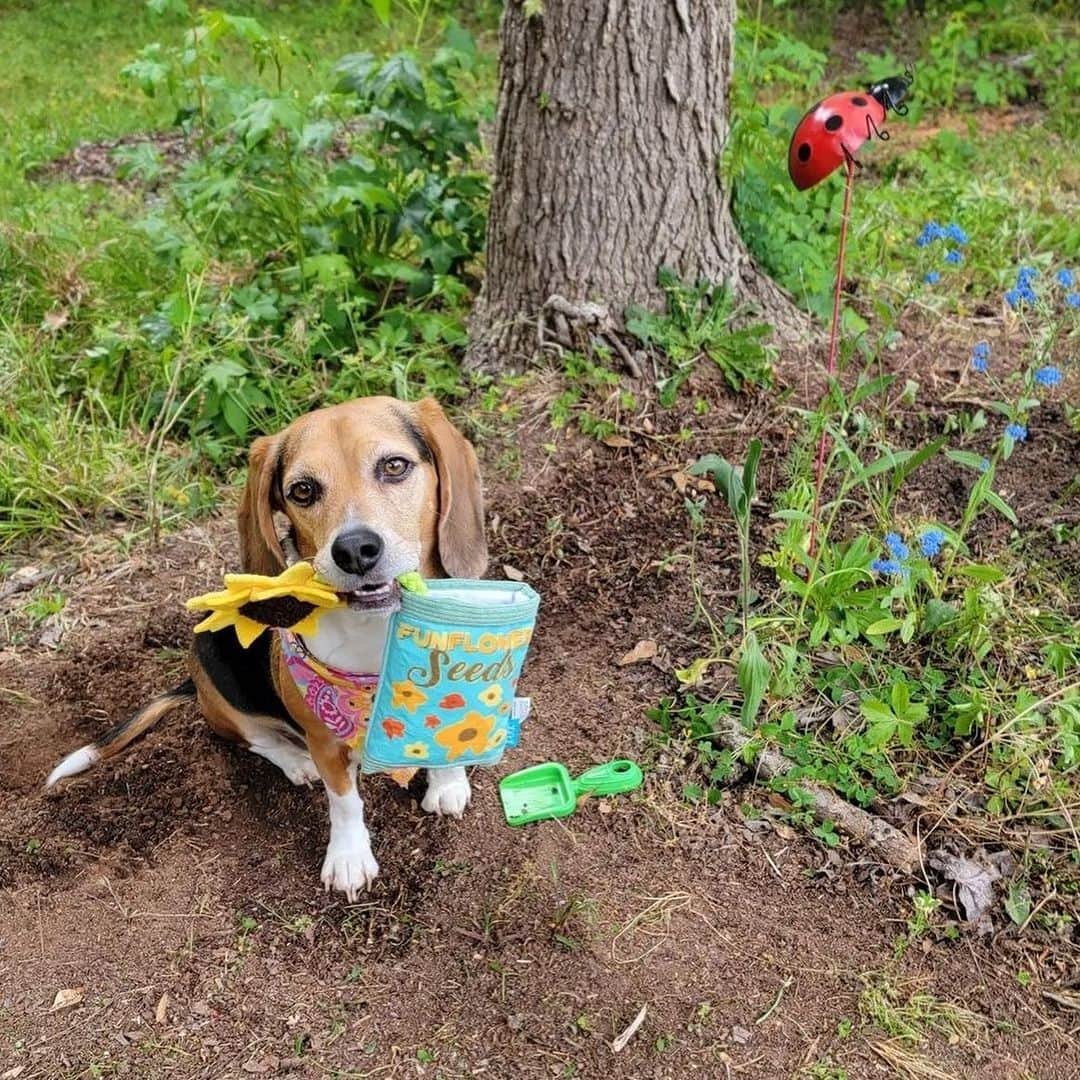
446, 694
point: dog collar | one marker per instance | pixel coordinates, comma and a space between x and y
340, 699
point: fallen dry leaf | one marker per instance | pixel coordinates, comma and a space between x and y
68, 998
643, 650
617, 441
162, 1010
785, 832
513, 573
974, 882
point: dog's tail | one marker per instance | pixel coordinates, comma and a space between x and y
119, 737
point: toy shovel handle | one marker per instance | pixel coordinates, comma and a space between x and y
608, 779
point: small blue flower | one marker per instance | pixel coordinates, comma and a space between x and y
1065, 278
1048, 376
1073, 299
980, 356
1016, 432
956, 234
886, 566
930, 542
984, 465
1027, 294
897, 548
953, 257
1012, 298
933, 278
1025, 275
931, 231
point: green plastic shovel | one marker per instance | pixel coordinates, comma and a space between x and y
548, 791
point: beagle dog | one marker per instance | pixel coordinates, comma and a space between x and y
364, 491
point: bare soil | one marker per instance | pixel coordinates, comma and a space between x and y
175, 891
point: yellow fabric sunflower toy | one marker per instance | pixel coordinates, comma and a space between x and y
250, 603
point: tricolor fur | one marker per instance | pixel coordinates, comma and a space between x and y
365, 491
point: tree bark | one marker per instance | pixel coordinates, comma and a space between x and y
612, 118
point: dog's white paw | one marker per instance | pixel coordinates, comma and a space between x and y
293, 761
448, 792
349, 867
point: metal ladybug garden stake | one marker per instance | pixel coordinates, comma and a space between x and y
826, 138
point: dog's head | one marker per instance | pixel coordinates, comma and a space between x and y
371, 489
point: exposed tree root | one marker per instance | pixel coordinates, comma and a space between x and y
886, 841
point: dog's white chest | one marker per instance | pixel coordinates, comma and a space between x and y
350, 640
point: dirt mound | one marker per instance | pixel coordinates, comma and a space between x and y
175, 891
123, 160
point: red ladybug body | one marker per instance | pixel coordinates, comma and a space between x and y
835, 128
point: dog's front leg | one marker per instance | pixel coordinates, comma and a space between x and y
349, 866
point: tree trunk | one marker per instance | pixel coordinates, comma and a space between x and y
612, 118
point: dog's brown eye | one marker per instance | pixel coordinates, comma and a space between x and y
304, 492
394, 468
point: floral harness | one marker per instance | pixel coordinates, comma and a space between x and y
340, 699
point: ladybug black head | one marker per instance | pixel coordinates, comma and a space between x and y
890, 93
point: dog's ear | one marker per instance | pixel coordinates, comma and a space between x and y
462, 543
260, 548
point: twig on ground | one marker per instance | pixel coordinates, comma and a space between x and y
885, 840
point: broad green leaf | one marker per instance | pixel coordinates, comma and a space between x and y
381, 8
876, 711
901, 698
753, 679
353, 72
981, 572
884, 626
966, 458
331, 270
234, 415
869, 389
692, 675
268, 114
937, 614
999, 504
749, 473
398, 73
879, 734
1018, 903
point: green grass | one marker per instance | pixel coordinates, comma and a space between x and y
92, 414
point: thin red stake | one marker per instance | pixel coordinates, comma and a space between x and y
834, 341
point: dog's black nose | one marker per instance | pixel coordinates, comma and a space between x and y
357, 550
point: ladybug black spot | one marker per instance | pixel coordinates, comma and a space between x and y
804, 151
860, 101
834, 123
